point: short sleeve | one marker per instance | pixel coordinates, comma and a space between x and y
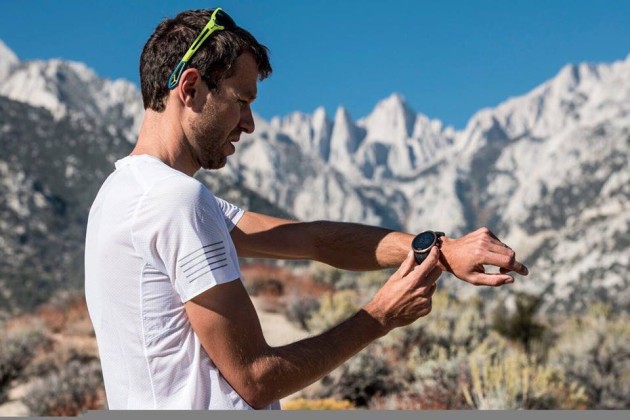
231, 213
179, 229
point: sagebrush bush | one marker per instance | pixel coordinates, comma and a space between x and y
432, 383
17, 349
363, 377
522, 325
594, 351
452, 326
76, 388
299, 310
503, 376
333, 309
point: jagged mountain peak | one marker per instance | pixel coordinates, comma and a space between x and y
320, 118
395, 101
342, 116
8, 60
7, 55
391, 119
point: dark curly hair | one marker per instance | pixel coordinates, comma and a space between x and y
215, 60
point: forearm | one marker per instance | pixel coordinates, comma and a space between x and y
281, 371
348, 246
353, 246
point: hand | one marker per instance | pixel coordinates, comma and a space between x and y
465, 258
406, 296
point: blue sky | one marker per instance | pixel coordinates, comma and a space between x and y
447, 58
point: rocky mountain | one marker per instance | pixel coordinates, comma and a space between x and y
547, 171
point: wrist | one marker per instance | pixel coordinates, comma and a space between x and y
445, 249
377, 319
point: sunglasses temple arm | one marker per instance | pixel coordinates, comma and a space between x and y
174, 79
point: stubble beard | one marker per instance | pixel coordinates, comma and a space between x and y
207, 144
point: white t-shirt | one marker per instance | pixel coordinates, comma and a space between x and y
156, 238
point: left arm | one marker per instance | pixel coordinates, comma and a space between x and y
349, 246
352, 246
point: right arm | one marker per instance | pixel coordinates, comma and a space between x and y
225, 320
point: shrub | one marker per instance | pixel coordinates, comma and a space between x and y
434, 382
362, 378
326, 275
502, 377
69, 392
300, 309
18, 349
333, 309
594, 350
520, 326
452, 326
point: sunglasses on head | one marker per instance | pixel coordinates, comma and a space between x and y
218, 22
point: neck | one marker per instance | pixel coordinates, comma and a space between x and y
161, 135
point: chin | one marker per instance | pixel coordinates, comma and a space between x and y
215, 164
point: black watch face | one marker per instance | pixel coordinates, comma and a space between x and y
423, 241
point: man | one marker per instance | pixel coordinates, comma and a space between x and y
174, 324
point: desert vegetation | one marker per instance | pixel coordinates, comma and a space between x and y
467, 354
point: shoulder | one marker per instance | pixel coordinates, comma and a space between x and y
179, 189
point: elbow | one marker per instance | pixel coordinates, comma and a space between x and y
256, 396
258, 387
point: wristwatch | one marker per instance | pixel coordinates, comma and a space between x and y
423, 242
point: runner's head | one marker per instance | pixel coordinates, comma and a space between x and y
215, 56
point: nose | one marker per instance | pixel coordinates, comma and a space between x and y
247, 120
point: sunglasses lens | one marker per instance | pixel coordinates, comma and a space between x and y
224, 19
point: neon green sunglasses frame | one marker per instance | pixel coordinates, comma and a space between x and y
208, 30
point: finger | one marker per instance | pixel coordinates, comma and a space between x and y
430, 261
407, 266
494, 280
514, 265
426, 310
499, 248
504, 260
421, 272
495, 245
431, 278
432, 289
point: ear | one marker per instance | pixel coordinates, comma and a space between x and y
189, 89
